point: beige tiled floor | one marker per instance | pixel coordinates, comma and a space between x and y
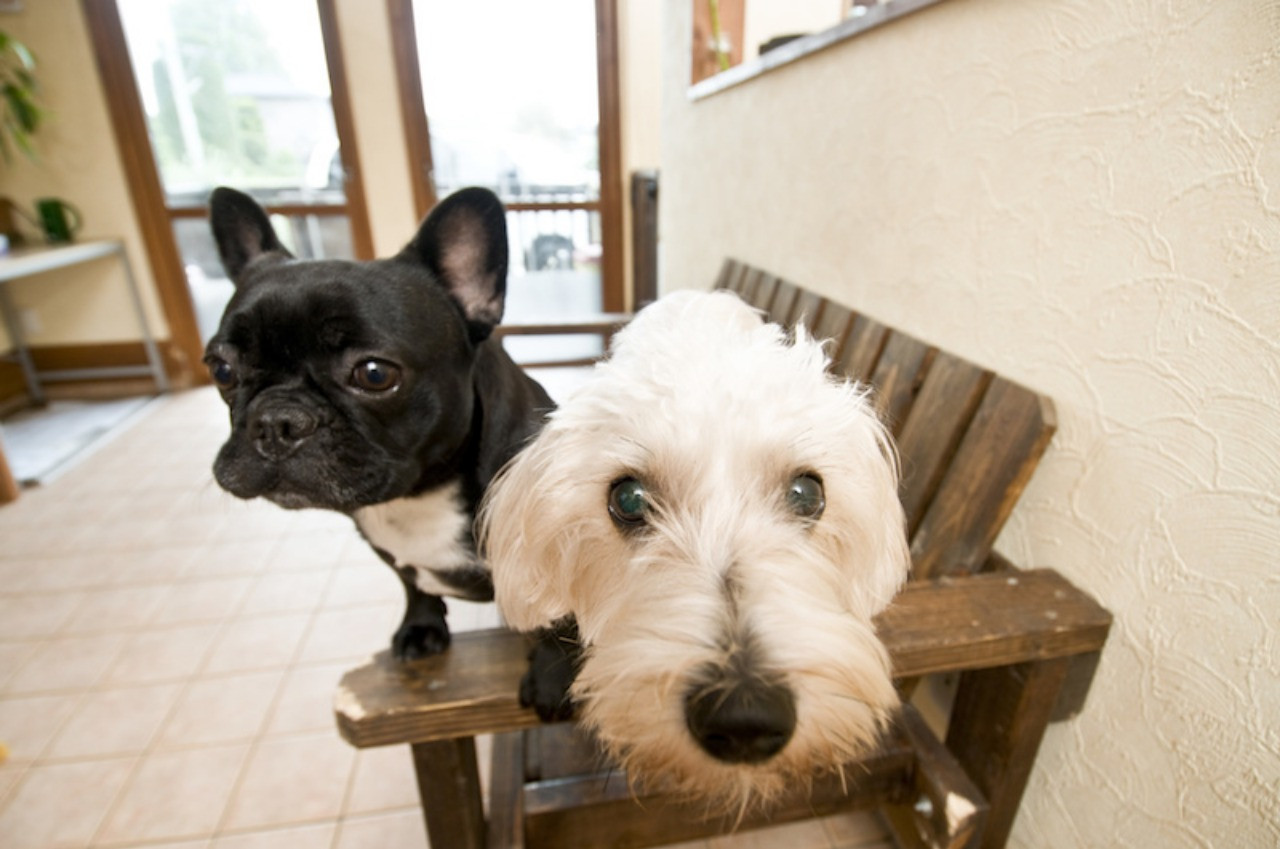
168, 656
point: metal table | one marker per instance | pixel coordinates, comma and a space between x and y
27, 261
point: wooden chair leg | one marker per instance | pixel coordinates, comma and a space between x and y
449, 787
942, 808
997, 723
506, 791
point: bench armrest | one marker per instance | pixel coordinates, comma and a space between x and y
974, 622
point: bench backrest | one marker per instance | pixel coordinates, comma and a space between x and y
968, 439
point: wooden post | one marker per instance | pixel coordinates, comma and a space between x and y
449, 787
996, 727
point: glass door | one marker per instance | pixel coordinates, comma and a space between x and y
512, 97
239, 93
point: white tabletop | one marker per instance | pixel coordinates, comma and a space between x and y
24, 261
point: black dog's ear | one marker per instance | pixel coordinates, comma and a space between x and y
241, 229
464, 244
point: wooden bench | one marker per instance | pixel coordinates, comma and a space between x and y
1024, 643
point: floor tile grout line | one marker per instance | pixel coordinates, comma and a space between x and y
151, 749
256, 743
23, 767
148, 751
109, 808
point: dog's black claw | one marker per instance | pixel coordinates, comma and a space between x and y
412, 642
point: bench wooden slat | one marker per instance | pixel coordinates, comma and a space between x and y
834, 321
762, 293
732, 274
945, 405
784, 300
725, 278
898, 376
862, 348
749, 283
807, 310
955, 623
990, 469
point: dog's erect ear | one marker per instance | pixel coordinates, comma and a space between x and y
241, 229
464, 243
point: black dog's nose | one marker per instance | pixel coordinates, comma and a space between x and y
748, 723
277, 432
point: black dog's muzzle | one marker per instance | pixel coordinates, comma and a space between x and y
279, 424
279, 431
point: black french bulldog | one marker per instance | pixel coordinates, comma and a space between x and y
375, 389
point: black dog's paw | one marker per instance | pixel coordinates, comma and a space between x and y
417, 640
423, 631
553, 664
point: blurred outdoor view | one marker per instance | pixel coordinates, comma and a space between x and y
512, 104
237, 93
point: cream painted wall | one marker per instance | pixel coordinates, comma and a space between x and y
78, 162
1084, 195
640, 91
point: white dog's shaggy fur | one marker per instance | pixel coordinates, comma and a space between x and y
731, 582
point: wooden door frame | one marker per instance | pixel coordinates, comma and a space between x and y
345, 125
184, 350
142, 178
418, 138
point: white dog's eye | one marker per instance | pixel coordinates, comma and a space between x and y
805, 496
628, 503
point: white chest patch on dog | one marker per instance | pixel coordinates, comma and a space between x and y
427, 532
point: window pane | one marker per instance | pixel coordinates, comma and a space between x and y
511, 98
554, 275
306, 237
236, 93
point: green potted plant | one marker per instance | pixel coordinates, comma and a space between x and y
20, 114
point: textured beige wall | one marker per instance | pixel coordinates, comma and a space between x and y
1084, 195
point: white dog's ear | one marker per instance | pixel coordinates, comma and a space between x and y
525, 535
884, 559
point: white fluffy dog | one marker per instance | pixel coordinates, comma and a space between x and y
720, 515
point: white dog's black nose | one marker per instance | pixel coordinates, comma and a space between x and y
745, 723
278, 431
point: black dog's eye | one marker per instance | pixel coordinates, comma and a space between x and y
222, 373
805, 496
628, 503
376, 376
